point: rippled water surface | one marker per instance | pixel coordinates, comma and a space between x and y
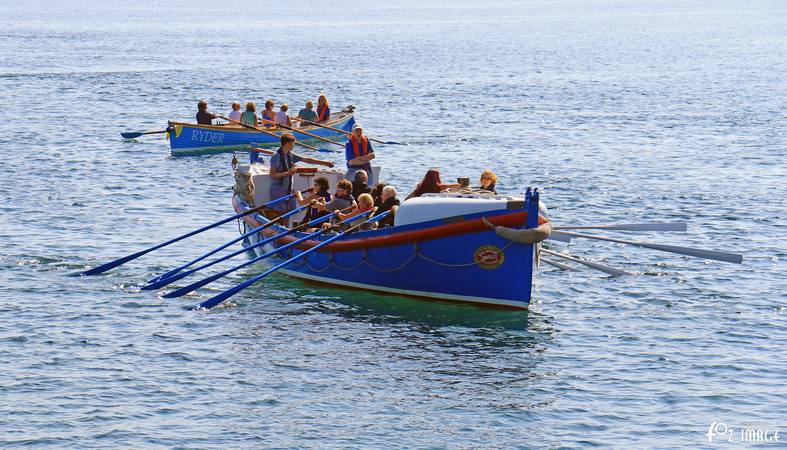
621, 111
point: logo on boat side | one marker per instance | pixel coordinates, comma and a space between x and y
207, 137
489, 257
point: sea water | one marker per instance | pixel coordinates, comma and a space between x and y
632, 111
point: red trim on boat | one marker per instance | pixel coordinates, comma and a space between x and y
514, 219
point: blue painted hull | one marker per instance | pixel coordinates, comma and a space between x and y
476, 267
187, 139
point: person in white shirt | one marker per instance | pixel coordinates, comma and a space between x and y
235, 113
281, 117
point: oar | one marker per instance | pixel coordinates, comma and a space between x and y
185, 290
172, 272
346, 132
301, 132
688, 251
110, 265
132, 135
214, 301
595, 265
560, 266
656, 226
324, 150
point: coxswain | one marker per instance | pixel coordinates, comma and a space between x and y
359, 153
323, 109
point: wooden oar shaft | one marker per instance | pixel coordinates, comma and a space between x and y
595, 265
266, 132
688, 251
338, 129
301, 132
654, 226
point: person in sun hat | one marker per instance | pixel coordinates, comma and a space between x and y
359, 153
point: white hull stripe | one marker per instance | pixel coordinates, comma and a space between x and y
370, 287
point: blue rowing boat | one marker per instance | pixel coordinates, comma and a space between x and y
438, 248
188, 139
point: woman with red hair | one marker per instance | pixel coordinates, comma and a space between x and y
431, 184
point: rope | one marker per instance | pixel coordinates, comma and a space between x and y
395, 269
474, 262
328, 266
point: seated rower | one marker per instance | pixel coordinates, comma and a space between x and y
388, 202
249, 117
235, 113
359, 152
341, 200
365, 204
377, 192
203, 116
268, 114
359, 184
318, 193
281, 117
307, 113
323, 109
488, 181
282, 169
431, 184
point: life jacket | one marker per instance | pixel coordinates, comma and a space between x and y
361, 150
323, 113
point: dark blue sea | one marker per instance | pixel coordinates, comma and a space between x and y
620, 111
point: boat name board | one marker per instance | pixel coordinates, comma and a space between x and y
207, 137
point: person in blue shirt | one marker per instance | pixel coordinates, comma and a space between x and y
282, 169
359, 152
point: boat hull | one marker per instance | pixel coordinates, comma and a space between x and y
188, 139
434, 260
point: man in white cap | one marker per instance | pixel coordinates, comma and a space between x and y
359, 153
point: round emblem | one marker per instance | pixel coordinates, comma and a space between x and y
489, 257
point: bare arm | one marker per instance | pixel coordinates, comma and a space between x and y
317, 161
276, 174
359, 160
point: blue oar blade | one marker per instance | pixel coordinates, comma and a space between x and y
393, 143
112, 264
327, 150
131, 135
194, 286
125, 259
165, 281
216, 300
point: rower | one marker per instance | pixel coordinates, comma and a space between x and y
203, 116
268, 114
359, 153
308, 113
